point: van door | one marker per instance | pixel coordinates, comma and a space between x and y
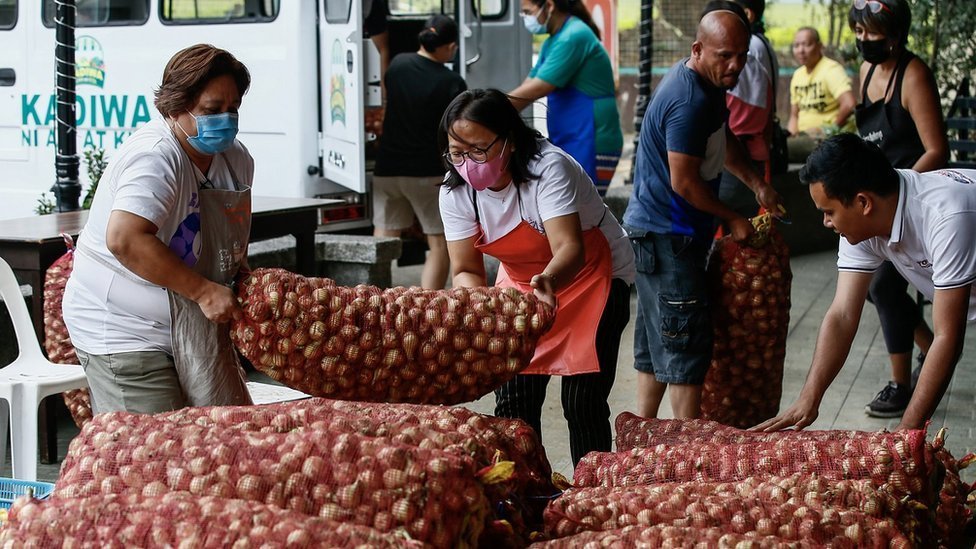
13, 77
341, 66
496, 48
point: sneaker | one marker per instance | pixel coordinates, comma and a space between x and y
890, 402
919, 360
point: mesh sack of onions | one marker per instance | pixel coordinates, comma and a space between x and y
956, 498
951, 512
517, 493
794, 508
634, 431
751, 316
179, 520
901, 461
659, 535
394, 345
347, 477
57, 343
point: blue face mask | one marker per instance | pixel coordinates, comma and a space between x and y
532, 24
215, 132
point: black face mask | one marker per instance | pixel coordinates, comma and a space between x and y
874, 51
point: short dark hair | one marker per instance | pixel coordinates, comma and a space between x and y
725, 5
896, 21
438, 31
758, 7
846, 164
190, 70
811, 30
492, 109
573, 7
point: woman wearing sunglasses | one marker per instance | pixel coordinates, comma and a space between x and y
910, 129
515, 196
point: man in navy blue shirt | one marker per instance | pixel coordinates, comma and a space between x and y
684, 144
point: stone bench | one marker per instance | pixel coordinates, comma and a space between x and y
347, 259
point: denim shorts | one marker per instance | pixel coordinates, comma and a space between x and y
673, 331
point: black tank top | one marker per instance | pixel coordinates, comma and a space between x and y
888, 124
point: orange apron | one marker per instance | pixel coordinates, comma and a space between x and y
564, 350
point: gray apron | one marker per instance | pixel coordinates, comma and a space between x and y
206, 361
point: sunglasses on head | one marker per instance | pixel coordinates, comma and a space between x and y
874, 6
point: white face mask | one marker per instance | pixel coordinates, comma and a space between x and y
532, 24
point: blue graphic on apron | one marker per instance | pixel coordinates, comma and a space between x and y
184, 242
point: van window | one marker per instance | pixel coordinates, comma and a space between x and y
218, 11
8, 14
415, 7
490, 9
337, 11
101, 13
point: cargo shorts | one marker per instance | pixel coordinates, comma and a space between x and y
673, 331
141, 382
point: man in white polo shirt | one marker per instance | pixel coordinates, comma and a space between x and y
924, 224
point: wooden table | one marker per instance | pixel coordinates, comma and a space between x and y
31, 244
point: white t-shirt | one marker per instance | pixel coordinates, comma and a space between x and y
152, 177
931, 241
562, 188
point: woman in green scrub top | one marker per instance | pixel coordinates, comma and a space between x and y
575, 74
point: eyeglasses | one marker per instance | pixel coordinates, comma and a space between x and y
874, 6
477, 155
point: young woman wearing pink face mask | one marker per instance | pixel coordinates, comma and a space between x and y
513, 195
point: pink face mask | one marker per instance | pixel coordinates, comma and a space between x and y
482, 176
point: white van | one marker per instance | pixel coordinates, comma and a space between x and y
313, 76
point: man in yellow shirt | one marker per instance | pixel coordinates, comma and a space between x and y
821, 99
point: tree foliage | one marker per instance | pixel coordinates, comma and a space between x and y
942, 35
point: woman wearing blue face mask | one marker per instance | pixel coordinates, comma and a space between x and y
900, 112
148, 302
574, 73
515, 196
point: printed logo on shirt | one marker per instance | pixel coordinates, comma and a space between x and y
925, 264
956, 176
874, 137
811, 97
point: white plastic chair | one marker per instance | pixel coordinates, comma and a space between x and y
26, 381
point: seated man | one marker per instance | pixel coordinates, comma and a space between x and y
919, 222
821, 100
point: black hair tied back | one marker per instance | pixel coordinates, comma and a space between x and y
438, 31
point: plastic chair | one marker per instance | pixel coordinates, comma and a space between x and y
26, 381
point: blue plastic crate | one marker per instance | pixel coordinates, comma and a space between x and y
11, 489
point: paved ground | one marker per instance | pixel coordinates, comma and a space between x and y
813, 285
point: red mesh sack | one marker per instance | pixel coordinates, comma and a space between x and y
882, 536
395, 345
347, 477
517, 494
900, 460
952, 513
634, 431
57, 343
179, 520
750, 318
795, 508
